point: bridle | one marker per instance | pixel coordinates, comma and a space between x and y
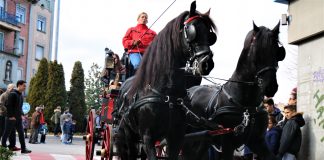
195, 51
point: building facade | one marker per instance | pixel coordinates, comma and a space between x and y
306, 30
26, 34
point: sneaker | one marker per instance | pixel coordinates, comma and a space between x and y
14, 148
26, 151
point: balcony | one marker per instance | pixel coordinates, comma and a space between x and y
9, 21
10, 51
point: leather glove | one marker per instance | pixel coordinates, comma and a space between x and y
136, 42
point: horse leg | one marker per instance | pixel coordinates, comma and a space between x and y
131, 141
227, 148
175, 142
149, 146
120, 141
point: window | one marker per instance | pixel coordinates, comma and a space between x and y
1, 41
2, 8
39, 52
20, 47
20, 13
41, 23
19, 73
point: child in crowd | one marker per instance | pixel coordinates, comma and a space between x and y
43, 131
69, 129
25, 124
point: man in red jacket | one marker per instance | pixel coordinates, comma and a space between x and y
137, 39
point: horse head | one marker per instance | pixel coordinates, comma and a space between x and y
198, 35
263, 51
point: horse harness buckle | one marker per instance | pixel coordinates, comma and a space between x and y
245, 122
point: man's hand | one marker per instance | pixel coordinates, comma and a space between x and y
136, 42
12, 118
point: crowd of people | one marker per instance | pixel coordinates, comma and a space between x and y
283, 136
13, 119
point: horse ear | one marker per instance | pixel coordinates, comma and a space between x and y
192, 9
276, 28
207, 13
255, 27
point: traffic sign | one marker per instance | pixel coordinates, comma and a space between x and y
26, 107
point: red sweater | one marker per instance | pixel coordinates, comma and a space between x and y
136, 33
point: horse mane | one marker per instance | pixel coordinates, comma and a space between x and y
163, 56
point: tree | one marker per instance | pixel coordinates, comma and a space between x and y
38, 85
93, 85
76, 95
56, 92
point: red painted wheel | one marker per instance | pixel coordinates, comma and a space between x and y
106, 150
90, 136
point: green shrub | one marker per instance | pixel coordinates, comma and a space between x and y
5, 154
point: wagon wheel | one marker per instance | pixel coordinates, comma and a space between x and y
106, 149
90, 137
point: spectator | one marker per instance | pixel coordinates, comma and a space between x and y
2, 120
56, 120
3, 103
137, 39
25, 123
35, 124
43, 131
70, 127
65, 117
273, 134
291, 137
14, 113
67, 126
4, 96
272, 110
293, 97
43, 125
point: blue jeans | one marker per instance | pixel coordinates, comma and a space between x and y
135, 59
288, 156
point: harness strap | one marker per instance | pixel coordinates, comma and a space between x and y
147, 99
213, 98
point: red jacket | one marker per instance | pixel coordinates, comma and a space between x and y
136, 33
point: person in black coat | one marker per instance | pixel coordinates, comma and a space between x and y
291, 137
13, 117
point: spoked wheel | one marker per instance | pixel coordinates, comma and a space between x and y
105, 151
90, 137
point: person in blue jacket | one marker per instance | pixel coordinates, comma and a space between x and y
273, 135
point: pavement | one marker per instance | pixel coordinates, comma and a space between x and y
53, 149
47, 156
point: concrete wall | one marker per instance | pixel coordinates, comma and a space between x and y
311, 97
306, 29
307, 19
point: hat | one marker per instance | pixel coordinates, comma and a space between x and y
294, 90
38, 109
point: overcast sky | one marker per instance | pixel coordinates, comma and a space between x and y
87, 27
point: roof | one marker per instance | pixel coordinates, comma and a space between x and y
282, 1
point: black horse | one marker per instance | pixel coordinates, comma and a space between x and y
149, 102
238, 103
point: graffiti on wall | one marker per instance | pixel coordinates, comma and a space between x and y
319, 110
318, 76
